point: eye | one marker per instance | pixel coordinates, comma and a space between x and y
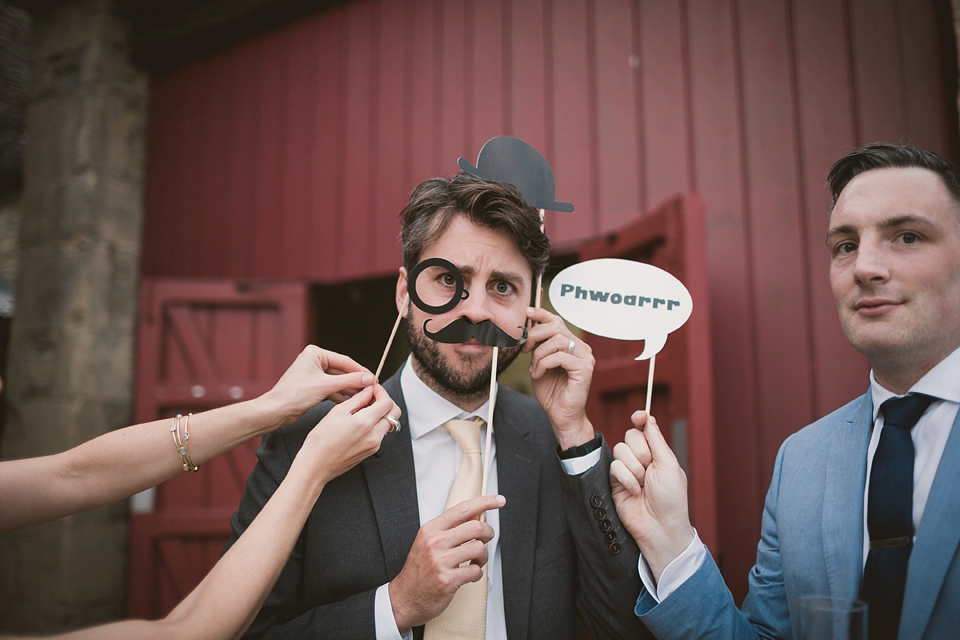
908, 237
447, 279
844, 248
503, 288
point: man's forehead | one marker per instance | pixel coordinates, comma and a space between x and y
472, 247
883, 193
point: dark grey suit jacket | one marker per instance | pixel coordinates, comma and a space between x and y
555, 557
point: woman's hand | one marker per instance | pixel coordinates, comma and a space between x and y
316, 375
351, 432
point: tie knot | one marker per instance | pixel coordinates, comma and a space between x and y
466, 433
904, 412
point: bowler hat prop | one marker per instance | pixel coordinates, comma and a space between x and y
511, 160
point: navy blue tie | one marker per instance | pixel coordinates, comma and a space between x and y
890, 515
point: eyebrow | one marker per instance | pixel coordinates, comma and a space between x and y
888, 223
512, 277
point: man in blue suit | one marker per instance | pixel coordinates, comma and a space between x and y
863, 503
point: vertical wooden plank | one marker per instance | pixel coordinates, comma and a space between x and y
720, 174
665, 103
488, 89
777, 258
390, 154
160, 182
930, 106
188, 172
827, 131
878, 76
530, 108
241, 161
455, 80
617, 137
298, 151
574, 152
424, 69
269, 216
326, 219
355, 242
210, 209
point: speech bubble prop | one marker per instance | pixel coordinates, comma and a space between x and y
623, 300
511, 160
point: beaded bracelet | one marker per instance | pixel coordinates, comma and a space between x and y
180, 442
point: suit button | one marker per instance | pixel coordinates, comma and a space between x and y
596, 501
609, 536
614, 548
600, 513
605, 525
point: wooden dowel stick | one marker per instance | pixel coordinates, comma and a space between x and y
653, 363
536, 300
383, 358
490, 406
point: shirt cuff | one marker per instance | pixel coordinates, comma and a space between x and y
676, 573
386, 624
576, 466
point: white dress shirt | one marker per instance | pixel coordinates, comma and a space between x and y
929, 439
436, 458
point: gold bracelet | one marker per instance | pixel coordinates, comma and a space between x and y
181, 443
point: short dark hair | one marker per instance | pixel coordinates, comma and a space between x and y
494, 205
881, 155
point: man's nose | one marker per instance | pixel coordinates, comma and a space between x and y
476, 306
871, 263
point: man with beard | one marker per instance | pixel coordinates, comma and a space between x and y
384, 554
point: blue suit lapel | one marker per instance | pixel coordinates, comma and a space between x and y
518, 477
393, 488
842, 522
937, 541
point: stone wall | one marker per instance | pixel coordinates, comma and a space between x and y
70, 365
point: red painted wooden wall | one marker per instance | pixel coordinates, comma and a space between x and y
289, 155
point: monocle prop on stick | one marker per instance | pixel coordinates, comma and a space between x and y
623, 300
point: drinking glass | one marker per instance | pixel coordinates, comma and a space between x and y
826, 618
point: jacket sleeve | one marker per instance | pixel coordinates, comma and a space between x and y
606, 555
703, 606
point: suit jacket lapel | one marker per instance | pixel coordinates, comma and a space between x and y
842, 522
937, 541
393, 488
519, 481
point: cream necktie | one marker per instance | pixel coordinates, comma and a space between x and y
466, 616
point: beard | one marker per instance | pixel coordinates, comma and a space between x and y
470, 381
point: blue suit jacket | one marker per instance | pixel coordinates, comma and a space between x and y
812, 544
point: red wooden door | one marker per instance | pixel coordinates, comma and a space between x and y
671, 237
202, 344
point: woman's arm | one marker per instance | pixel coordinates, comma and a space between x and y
224, 604
123, 462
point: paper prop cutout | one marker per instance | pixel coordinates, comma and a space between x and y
436, 286
511, 160
442, 298
485, 332
622, 299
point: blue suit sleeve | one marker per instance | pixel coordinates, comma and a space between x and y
703, 606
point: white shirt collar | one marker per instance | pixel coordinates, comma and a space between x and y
943, 381
427, 409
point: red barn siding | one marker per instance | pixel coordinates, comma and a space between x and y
289, 155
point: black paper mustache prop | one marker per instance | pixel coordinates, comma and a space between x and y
485, 332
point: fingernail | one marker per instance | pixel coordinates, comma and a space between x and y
368, 379
501, 500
